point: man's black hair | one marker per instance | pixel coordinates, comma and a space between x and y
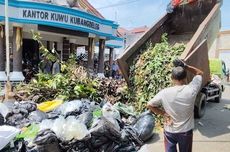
179, 73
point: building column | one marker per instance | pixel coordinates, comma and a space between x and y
111, 51
17, 75
91, 47
2, 55
101, 57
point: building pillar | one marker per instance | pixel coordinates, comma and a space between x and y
2, 55
101, 57
91, 47
111, 51
17, 75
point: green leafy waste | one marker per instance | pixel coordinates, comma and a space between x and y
151, 71
72, 83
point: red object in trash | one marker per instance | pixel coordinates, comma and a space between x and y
176, 3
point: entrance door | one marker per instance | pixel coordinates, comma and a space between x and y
30, 53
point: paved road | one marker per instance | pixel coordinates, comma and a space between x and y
212, 132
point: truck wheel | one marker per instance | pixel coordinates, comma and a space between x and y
199, 109
217, 99
1, 120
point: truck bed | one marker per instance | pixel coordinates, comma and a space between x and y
195, 25
179, 38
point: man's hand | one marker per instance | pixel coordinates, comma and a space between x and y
168, 121
178, 62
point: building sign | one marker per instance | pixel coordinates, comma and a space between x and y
58, 17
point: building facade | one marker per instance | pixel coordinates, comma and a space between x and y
131, 36
63, 25
221, 48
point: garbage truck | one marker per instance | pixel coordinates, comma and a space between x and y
195, 25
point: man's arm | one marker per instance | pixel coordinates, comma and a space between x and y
159, 111
194, 70
155, 106
156, 110
196, 82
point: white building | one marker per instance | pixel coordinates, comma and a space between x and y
61, 26
221, 48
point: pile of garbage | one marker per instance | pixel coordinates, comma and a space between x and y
77, 125
47, 118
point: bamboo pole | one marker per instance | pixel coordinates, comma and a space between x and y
8, 85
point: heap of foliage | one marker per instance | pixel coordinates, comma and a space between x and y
72, 83
151, 71
113, 90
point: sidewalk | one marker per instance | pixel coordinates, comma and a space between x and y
211, 133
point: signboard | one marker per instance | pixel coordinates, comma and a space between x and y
58, 16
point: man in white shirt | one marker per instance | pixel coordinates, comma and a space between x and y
176, 104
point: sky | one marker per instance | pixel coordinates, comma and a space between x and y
135, 13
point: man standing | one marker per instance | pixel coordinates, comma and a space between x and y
176, 105
114, 69
56, 67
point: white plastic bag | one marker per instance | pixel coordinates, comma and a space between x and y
66, 129
58, 126
4, 110
109, 111
46, 124
75, 129
7, 134
67, 107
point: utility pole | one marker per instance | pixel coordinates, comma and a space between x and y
8, 86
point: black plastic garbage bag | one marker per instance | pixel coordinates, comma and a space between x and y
45, 141
17, 146
86, 105
28, 105
53, 115
74, 146
129, 134
37, 116
45, 137
144, 126
46, 148
109, 147
103, 132
86, 118
19, 112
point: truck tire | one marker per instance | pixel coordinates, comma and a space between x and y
1, 120
218, 99
200, 106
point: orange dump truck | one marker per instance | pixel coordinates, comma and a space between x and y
195, 25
